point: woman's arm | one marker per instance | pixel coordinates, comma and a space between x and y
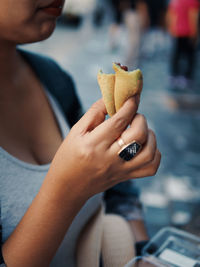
41, 230
85, 164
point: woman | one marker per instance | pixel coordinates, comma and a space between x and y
182, 19
50, 185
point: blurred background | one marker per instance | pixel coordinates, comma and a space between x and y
91, 34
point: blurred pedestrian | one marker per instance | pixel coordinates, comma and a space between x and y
157, 11
157, 37
114, 31
99, 12
136, 21
134, 15
182, 20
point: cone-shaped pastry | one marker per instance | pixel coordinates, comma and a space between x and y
107, 85
127, 84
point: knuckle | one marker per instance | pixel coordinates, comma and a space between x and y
159, 157
99, 116
151, 132
149, 154
141, 136
86, 151
141, 118
97, 109
75, 129
95, 105
159, 154
141, 129
154, 169
153, 138
118, 122
156, 164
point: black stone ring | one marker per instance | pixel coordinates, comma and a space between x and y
129, 151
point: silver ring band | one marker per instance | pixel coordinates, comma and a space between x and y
120, 142
129, 151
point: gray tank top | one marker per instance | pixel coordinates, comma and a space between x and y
19, 184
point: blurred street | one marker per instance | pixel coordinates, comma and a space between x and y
172, 197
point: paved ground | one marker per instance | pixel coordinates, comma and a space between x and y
172, 197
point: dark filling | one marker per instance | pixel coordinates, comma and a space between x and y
122, 66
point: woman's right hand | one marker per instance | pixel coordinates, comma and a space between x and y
86, 163
88, 157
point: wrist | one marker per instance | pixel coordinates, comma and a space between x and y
68, 176
63, 189
67, 181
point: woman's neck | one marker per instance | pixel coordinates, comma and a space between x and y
11, 66
8, 56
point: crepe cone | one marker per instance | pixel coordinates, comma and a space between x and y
127, 84
107, 84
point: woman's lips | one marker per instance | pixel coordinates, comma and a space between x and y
54, 9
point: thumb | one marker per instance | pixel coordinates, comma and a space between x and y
93, 117
114, 126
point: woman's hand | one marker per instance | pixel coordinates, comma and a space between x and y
89, 154
86, 163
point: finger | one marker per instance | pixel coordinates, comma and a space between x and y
144, 156
137, 132
93, 117
149, 169
112, 128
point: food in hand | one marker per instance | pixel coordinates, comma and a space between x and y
117, 88
107, 86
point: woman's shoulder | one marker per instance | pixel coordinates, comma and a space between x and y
49, 72
58, 82
42, 63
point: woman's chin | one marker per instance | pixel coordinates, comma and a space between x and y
46, 30
39, 33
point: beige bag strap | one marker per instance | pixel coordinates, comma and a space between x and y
89, 243
109, 235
